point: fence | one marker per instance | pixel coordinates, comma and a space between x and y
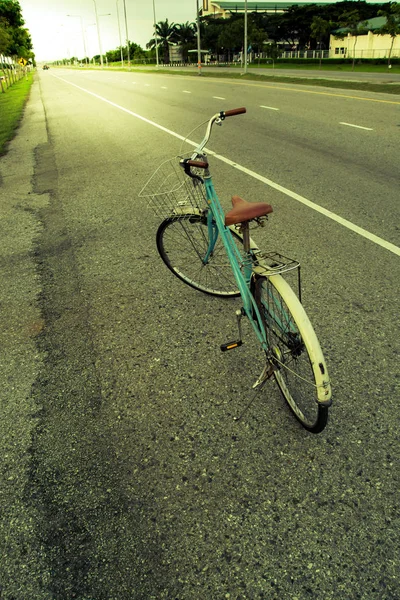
10, 71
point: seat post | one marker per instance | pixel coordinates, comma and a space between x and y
244, 227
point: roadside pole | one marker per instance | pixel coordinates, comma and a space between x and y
198, 38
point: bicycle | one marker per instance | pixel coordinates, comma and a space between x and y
214, 253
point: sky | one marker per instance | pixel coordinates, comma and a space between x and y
56, 35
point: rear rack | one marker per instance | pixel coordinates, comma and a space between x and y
267, 264
275, 263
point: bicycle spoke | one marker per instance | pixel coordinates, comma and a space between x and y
183, 243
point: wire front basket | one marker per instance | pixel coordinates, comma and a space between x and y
170, 191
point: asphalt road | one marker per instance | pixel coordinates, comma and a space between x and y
124, 474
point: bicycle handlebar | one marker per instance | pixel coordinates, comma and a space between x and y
217, 118
200, 164
232, 112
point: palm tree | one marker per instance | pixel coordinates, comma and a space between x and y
320, 29
166, 36
185, 36
350, 23
392, 25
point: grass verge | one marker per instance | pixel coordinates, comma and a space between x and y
12, 103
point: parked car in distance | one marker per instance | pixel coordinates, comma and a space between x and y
45, 67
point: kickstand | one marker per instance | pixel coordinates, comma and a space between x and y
266, 374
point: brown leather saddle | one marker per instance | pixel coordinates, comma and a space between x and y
243, 211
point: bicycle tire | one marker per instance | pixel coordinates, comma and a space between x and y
182, 242
294, 350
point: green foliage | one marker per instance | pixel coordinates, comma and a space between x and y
186, 37
12, 104
166, 35
351, 24
392, 25
10, 10
293, 26
5, 36
15, 40
320, 29
309, 26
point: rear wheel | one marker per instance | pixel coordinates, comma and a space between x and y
292, 342
183, 242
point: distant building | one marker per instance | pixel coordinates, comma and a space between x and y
224, 8
368, 45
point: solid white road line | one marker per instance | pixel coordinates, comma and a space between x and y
357, 126
269, 107
219, 98
323, 211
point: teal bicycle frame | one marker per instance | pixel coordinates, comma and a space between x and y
216, 227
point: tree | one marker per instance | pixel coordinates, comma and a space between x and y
257, 38
210, 30
232, 35
319, 30
5, 37
273, 52
392, 25
351, 24
185, 36
15, 40
10, 10
166, 36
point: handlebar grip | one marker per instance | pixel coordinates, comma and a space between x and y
200, 164
233, 111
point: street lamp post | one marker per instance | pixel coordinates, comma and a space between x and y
120, 39
83, 35
127, 36
198, 38
98, 34
245, 37
155, 32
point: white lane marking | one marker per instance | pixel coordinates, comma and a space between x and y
327, 213
219, 98
269, 107
164, 87
357, 126
147, 85
186, 92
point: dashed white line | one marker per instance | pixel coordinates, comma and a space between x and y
186, 92
218, 98
269, 107
357, 126
327, 213
164, 87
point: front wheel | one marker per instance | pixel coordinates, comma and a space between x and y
294, 352
183, 244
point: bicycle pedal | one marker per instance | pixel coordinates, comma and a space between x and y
231, 345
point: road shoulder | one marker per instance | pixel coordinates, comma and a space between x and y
21, 566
